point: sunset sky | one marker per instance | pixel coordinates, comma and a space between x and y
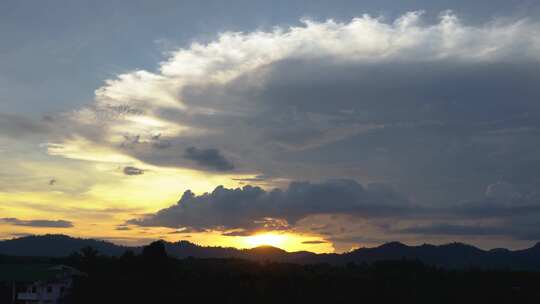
306, 125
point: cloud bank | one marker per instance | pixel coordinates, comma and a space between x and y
250, 208
376, 207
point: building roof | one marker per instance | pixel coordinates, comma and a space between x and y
35, 272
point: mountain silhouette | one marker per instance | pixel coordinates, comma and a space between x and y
55, 245
453, 255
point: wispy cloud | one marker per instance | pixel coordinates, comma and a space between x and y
38, 223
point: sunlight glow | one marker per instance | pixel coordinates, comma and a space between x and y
268, 239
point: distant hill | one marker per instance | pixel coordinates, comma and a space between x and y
454, 255
55, 245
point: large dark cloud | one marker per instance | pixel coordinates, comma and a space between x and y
252, 207
38, 223
208, 158
441, 110
438, 109
440, 131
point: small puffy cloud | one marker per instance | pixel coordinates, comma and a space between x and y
38, 223
129, 170
250, 208
208, 158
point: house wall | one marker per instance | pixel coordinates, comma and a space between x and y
45, 292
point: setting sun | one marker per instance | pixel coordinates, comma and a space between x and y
270, 239
285, 240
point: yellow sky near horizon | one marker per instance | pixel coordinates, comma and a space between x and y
112, 198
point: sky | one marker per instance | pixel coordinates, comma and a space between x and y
308, 125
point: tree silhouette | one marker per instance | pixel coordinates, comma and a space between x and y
155, 251
89, 257
89, 253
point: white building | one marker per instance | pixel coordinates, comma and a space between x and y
38, 284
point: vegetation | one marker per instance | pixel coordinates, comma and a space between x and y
153, 277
